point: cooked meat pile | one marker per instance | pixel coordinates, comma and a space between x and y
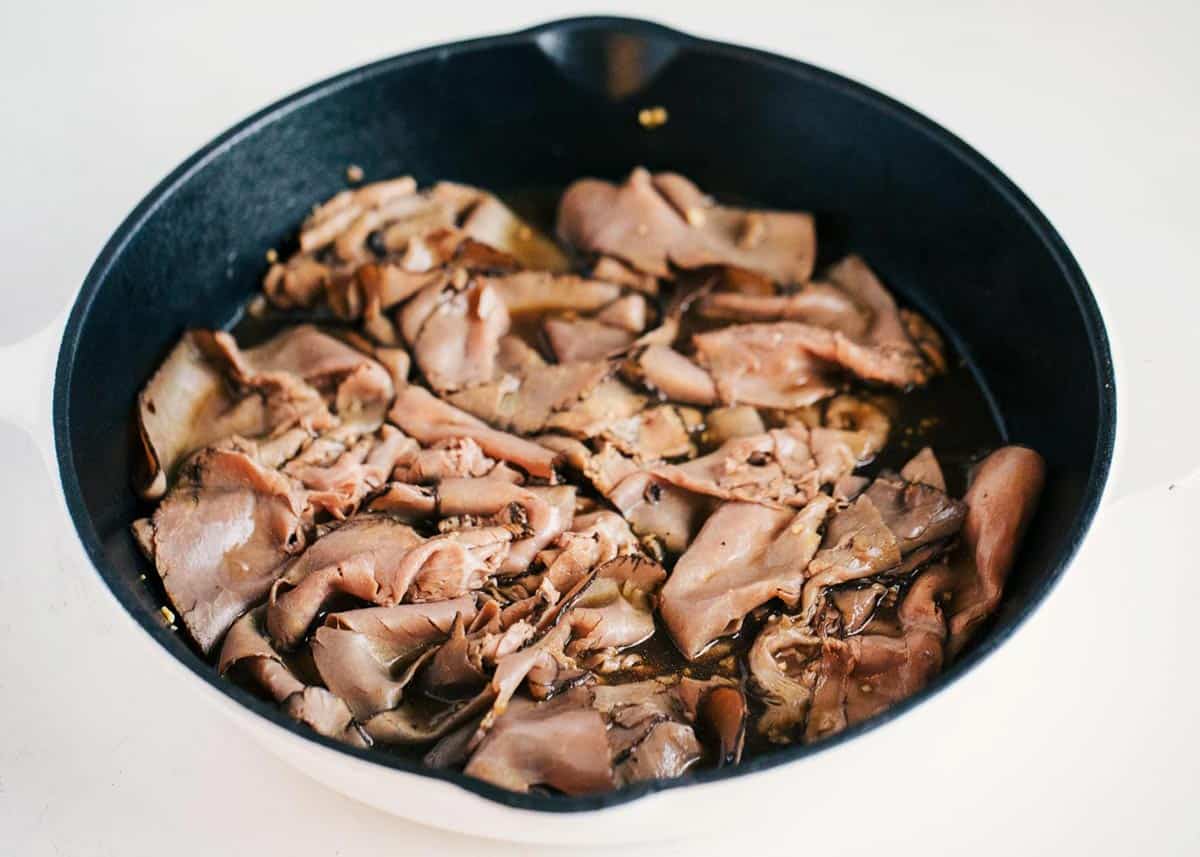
568, 531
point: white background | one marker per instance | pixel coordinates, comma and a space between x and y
1085, 738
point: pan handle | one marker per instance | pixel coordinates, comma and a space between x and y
27, 367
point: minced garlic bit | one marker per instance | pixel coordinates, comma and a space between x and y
652, 117
167, 614
354, 173
272, 256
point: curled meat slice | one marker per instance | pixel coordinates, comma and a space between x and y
666, 371
783, 674
294, 366
546, 512
185, 406
766, 365
430, 420
776, 468
457, 342
220, 538
744, 555
655, 222
817, 303
367, 657
246, 647
857, 544
1000, 503
668, 515
526, 402
917, 513
668, 749
746, 358
378, 559
615, 610
561, 743
574, 340
531, 292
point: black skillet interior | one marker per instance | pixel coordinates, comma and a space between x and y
536, 109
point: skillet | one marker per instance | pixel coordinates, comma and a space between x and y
533, 110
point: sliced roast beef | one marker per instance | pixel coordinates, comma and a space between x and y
378, 559
744, 555
767, 365
677, 378
456, 343
819, 304
657, 509
246, 647
1000, 503
367, 657
527, 402
577, 339
546, 512
220, 537
561, 744
653, 223
188, 405
431, 420
290, 369
783, 664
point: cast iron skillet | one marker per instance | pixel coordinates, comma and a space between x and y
539, 108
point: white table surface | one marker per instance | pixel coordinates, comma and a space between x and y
1083, 738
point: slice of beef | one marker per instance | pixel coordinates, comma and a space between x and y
341, 211
595, 538
615, 271
666, 371
890, 669
819, 304
723, 424
573, 340
220, 538
338, 476
378, 559
456, 344
668, 750
656, 509
656, 223
779, 467
893, 527
1001, 501
561, 744
768, 365
857, 544
293, 367
745, 555
368, 657
783, 669
493, 223
528, 402
534, 293
430, 420
924, 468
614, 611
546, 512
186, 405
246, 647
883, 352
856, 606
917, 513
